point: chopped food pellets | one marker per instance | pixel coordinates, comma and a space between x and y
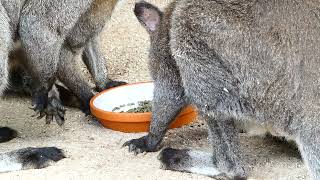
143, 106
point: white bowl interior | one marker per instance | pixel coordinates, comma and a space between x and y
127, 96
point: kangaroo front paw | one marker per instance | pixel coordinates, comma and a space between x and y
85, 106
55, 110
51, 108
112, 84
39, 103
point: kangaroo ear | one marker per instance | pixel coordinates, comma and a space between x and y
148, 15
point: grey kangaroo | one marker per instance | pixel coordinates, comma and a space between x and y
250, 62
53, 33
25, 158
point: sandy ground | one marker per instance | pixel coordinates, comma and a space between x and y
95, 152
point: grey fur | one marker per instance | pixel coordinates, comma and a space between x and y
53, 33
68, 25
249, 62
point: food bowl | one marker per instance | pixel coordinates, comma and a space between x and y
103, 104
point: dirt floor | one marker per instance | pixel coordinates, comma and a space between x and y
95, 152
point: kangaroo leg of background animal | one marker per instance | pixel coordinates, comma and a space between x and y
95, 62
83, 36
71, 76
43, 28
20, 81
94, 20
225, 159
42, 49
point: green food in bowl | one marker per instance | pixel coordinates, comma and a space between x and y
143, 107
